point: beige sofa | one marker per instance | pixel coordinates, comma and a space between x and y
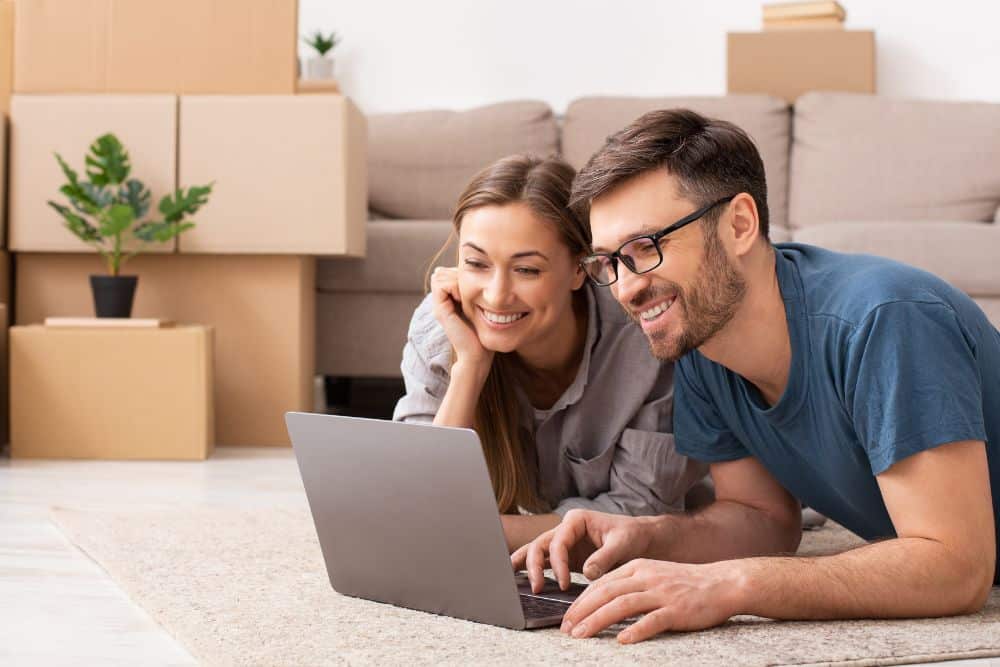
916, 181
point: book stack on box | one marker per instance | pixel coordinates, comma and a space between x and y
198, 91
822, 15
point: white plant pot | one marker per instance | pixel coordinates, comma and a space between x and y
319, 67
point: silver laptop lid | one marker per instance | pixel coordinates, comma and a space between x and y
405, 514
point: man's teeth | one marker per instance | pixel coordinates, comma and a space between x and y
656, 310
502, 319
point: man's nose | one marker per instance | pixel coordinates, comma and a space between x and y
628, 285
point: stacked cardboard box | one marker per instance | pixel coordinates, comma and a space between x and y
199, 91
72, 403
151, 46
6, 55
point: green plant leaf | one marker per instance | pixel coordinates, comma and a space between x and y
136, 195
83, 230
108, 161
158, 231
174, 207
79, 195
116, 220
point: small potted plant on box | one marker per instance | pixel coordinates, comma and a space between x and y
320, 66
103, 212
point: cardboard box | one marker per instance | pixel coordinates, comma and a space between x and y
153, 46
6, 54
111, 393
4, 377
290, 174
42, 125
262, 309
787, 63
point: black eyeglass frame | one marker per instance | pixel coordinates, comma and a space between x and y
617, 256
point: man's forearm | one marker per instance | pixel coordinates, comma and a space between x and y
898, 578
723, 530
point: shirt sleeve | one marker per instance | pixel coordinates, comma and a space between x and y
912, 381
700, 430
425, 367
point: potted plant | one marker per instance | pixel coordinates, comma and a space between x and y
320, 66
103, 212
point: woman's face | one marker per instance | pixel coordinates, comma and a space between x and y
516, 277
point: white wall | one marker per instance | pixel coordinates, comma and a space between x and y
399, 55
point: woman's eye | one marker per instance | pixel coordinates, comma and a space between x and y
474, 264
528, 271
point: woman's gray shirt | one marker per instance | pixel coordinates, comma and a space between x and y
607, 442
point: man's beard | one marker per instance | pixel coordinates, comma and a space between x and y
714, 296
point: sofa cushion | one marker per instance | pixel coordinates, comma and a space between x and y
399, 252
420, 162
590, 120
863, 157
962, 253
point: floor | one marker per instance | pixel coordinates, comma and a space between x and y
59, 607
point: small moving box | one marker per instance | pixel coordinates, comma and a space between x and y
787, 63
111, 393
156, 46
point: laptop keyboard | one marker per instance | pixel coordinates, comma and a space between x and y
535, 607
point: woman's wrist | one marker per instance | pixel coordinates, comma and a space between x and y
473, 370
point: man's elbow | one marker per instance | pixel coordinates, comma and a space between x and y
978, 582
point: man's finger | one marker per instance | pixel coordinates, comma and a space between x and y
608, 556
614, 611
569, 531
650, 625
535, 561
598, 594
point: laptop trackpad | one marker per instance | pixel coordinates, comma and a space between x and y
551, 590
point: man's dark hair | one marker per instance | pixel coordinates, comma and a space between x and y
710, 159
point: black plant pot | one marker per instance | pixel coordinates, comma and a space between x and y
113, 295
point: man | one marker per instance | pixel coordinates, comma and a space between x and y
868, 389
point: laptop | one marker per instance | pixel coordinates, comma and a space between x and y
405, 515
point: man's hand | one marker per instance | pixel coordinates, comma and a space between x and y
587, 541
673, 596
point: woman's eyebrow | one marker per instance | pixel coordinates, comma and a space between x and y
516, 255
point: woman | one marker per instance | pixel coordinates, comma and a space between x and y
571, 407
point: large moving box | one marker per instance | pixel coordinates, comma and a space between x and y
42, 125
290, 173
156, 46
6, 54
262, 309
111, 393
787, 63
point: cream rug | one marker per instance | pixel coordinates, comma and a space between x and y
249, 588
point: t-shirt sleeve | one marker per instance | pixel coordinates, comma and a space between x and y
912, 381
425, 368
699, 430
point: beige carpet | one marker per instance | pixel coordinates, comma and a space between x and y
249, 588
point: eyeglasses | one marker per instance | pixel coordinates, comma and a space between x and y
641, 254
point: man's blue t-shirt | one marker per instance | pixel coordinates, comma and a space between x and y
887, 361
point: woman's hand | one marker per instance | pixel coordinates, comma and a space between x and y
448, 312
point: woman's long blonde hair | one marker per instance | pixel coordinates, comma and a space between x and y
544, 185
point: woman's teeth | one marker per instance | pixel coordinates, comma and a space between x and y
655, 311
502, 319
